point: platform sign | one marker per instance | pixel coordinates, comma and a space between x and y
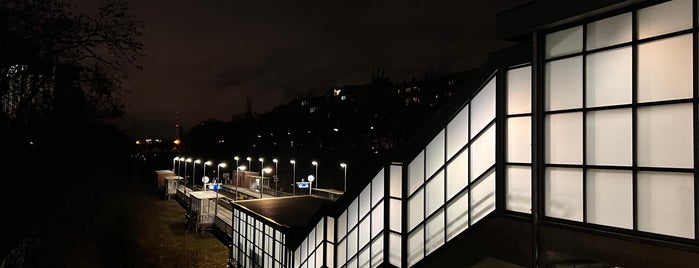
303, 185
215, 186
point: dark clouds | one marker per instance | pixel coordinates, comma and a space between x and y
205, 58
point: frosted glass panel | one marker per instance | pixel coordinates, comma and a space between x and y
664, 18
365, 201
457, 215
352, 263
416, 210
341, 253
352, 243
519, 85
331, 256
519, 185
519, 139
609, 77
394, 254
666, 203
434, 238
483, 108
352, 219
483, 153
610, 31
665, 69
434, 154
320, 232
364, 232
457, 132
435, 193
377, 190
563, 84
564, 138
610, 197
416, 246
609, 137
416, 172
483, 198
457, 174
665, 136
330, 229
396, 181
564, 42
363, 259
396, 217
377, 252
377, 221
342, 225
564, 193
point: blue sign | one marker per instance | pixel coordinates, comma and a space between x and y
214, 186
303, 184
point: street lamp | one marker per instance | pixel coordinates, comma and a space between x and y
188, 160
194, 170
207, 163
293, 163
237, 180
218, 169
310, 184
262, 181
173, 163
276, 173
236, 158
249, 163
262, 163
316, 164
344, 166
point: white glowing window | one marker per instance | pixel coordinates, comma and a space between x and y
610, 197
563, 84
434, 236
519, 139
457, 132
666, 203
434, 154
665, 136
519, 84
377, 252
394, 245
342, 225
416, 210
416, 172
457, 174
341, 253
518, 189
664, 18
609, 137
610, 31
377, 188
435, 193
396, 215
564, 193
483, 108
416, 246
377, 221
564, 42
665, 69
483, 153
396, 178
457, 215
352, 243
483, 198
365, 201
364, 232
608, 76
564, 138
352, 218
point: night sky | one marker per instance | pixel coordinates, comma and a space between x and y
206, 58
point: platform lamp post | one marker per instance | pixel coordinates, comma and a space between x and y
207, 163
293, 164
310, 184
237, 180
249, 163
218, 171
194, 173
236, 158
173, 163
262, 180
188, 160
344, 166
315, 163
179, 165
276, 173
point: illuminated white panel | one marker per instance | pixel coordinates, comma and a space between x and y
564, 42
416, 172
352, 218
457, 215
666, 203
457, 132
483, 108
434, 154
365, 201
377, 252
564, 193
341, 253
483, 153
342, 225
331, 255
608, 77
519, 139
320, 232
518, 187
352, 243
416, 246
519, 90
609, 137
563, 84
665, 69
311, 261
394, 253
610, 197
610, 31
331, 229
364, 232
434, 236
434, 193
457, 174
396, 215
665, 136
352, 263
564, 138
377, 188
416, 210
664, 18
396, 181
377, 221
483, 198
